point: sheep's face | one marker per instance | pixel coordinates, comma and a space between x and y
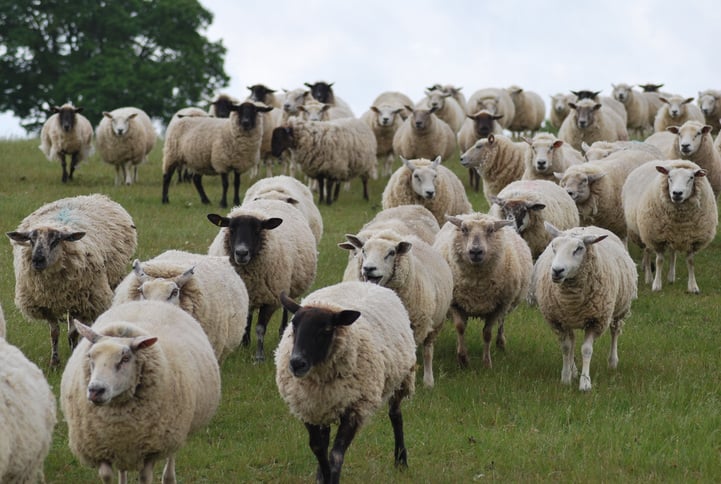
120, 124
477, 239
597, 151
314, 111
518, 211
559, 103
160, 289
222, 106
260, 93
585, 115
421, 119
46, 245
477, 155
66, 116
542, 153
437, 98
569, 253
386, 115
282, 139
622, 93
378, 259
681, 182
245, 236
707, 103
293, 99
690, 136
423, 181
245, 115
578, 185
676, 106
321, 91
484, 122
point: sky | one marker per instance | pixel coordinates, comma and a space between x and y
367, 47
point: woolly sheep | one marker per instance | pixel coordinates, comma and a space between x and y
424, 135
27, 417
590, 121
384, 117
641, 107
141, 380
421, 278
586, 280
428, 183
259, 93
496, 100
477, 126
710, 103
323, 92
446, 108
123, 139
602, 149
498, 161
210, 146
204, 286
670, 205
220, 107
548, 154
314, 110
675, 111
292, 99
330, 151
453, 91
609, 102
530, 203
183, 174
530, 110
491, 266
263, 94
68, 257
67, 132
349, 350
559, 108
273, 250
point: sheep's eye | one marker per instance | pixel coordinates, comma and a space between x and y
490, 230
328, 329
578, 250
174, 293
464, 230
391, 253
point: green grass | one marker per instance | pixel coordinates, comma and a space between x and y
655, 419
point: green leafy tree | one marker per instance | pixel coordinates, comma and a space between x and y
105, 54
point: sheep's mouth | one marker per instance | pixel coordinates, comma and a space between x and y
677, 198
373, 279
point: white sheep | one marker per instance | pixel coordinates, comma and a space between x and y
384, 118
210, 146
67, 133
585, 279
675, 111
454, 91
548, 155
273, 250
710, 103
68, 257
349, 350
418, 274
123, 139
27, 417
530, 203
491, 266
204, 286
496, 100
559, 108
446, 107
292, 99
142, 380
428, 183
591, 121
530, 110
640, 107
424, 135
600, 150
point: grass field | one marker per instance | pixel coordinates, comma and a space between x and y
657, 418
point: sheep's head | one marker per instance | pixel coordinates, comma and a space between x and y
423, 176
159, 288
707, 102
245, 236
66, 116
437, 98
322, 91
622, 92
585, 112
46, 244
690, 136
221, 105
517, 211
246, 114
477, 155
569, 252
542, 153
559, 103
477, 237
386, 114
282, 139
421, 119
379, 255
578, 183
120, 124
293, 99
484, 122
586, 94
260, 93
681, 181
676, 105
315, 111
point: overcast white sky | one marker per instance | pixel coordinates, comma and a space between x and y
366, 47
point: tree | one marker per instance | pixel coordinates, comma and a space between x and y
105, 54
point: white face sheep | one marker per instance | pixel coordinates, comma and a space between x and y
690, 136
423, 180
158, 288
578, 185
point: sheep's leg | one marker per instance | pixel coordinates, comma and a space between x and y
365, 188
74, 160
224, 197
657, 284
400, 453
646, 265
105, 471
283, 323
54, 334
428, 363
586, 353
72, 334
167, 178
459, 321
487, 337
246, 335
615, 332
65, 168
264, 315
169, 470
318, 440
328, 191
118, 168
336, 192
672, 267
198, 182
146, 473
501, 335
568, 341
236, 188
346, 432
128, 173
122, 477
321, 182
692, 286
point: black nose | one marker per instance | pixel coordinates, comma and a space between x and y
541, 165
556, 274
95, 393
299, 366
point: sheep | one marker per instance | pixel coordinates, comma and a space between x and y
453, 91
589, 122
263, 94
548, 155
498, 161
530, 203
710, 103
142, 380
640, 114
384, 117
585, 279
323, 92
446, 108
424, 135
530, 110
670, 205
221, 106
123, 139
292, 99
600, 150
349, 350
675, 111
273, 250
477, 126
610, 102
204, 286
209, 146
491, 266
428, 183
497, 101
559, 108
314, 110
68, 256
330, 151
259, 93
416, 272
67, 132
27, 417
183, 174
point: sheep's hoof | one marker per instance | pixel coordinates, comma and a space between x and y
462, 360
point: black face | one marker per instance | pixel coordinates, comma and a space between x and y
321, 91
248, 114
259, 93
281, 140
245, 235
66, 118
223, 106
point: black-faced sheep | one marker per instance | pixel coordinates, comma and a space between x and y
67, 132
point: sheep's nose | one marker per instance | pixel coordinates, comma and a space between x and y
582, 124
677, 195
541, 164
419, 124
96, 393
556, 273
299, 366
430, 194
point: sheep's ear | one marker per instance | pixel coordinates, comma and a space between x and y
662, 169
673, 129
409, 108
86, 332
354, 241
585, 147
346, 246
436, 162
433, 109
138, 271
576, 93
454, 220
498, 201
663, 99
558, 143
498, 116
19, 237
218, 220
142, 342
308, 84
491, 138
700, 173
271, 223
291, 201
572, 105
72, 236
132, 116
408, 164
592, 239
558, 175
597, 106
688, 100
403, 248
595, 177
535, 206
551, 229
375, 109
706, 129
345, 317
529, 141
288, 303
183, 278
79, 109
107, 115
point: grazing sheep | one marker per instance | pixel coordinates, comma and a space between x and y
384, 117
446, 108
67, 132
491, 267
710, 103
418, 274
424, 135
530, 110
221, 106
211, 146
559, 108
497, 101
530, 203
142, 380
273, 250
453, 91
27, 417
426, 183
640, 108
589, 122
68, 257
600, 150
204, 286
323, 92
349, 350
124, 138
548, 155
586, 280
675, 111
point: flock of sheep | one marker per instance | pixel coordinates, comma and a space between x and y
145, 374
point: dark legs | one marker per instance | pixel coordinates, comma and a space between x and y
318, 440
73, 163
283, 323
264, 315
394, 412
197, 181
236, 189
167, 177
54, 334
246, 336
65, 168
224, 196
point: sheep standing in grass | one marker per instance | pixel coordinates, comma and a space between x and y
384, 118
640, 108
445, 107
710, 103
143, 379
424, 135
67, 133
591, 121
68, 256
549, 155
123, 139
349, 350
530, 111
585, 280
495, 100
559, 108
676, 110
491, 266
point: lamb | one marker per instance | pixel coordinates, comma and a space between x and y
670, 205
710, 103
530, 110
675, 111
27, 416
426, 183
273, 250
424, 135
204, 286
384, 118
210, 146
589, 122
330, 151
221, 106
124, 138
416, 272
530, 203
349, 350
497, 101
548, 155
498, 161
446, 108
323, 92
293, 192
559, 108
585, 279
491, 266
67, 132
141, 381
68, 257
